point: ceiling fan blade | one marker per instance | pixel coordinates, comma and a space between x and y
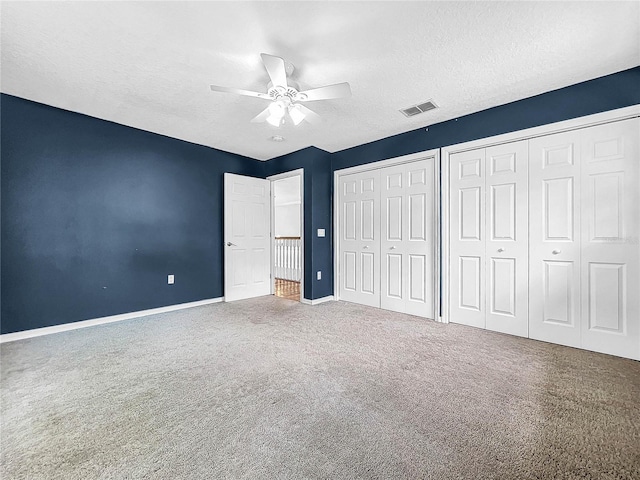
275, 69
262, 116
238, 91
339, 90
310, 115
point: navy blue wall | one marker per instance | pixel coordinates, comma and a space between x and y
96, 214
317, 214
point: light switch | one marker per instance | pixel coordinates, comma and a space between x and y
319, 275
170, 279
321, 232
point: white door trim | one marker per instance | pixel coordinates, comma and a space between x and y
293, 173
435, 154
446, 152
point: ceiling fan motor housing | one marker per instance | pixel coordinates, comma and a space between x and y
290, 92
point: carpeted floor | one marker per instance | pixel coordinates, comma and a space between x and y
272, 389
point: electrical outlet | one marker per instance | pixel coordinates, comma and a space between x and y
171, 279
319, 275
321, 232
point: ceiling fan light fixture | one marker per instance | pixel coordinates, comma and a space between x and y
296, 115
275, 120
283, 92
277, 111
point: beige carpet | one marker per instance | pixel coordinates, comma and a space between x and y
272, 389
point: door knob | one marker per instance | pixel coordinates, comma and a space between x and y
556, 252
366, 246
501, 249
393, 248
229, 244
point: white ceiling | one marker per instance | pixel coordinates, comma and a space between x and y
149, 64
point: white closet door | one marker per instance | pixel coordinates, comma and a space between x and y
507, 243
408, 238
610, 232
359, 201
467, 238
554, 263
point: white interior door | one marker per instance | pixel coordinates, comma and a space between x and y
610, 231
359, 203
507, 242
554, 261
247, 239
408, 238
467, 238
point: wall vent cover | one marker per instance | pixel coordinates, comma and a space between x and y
420, 108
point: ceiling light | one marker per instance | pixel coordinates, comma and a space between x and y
277, 111
274, 120
296, 115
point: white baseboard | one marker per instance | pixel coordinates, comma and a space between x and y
317, 300
37, 332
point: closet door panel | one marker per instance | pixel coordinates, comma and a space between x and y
554, 238
359, 255
419, 246
393, 274
507, 254
407, 238
610, 232
467, 238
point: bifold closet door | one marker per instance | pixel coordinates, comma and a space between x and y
489, 238
359, 201
554, 262
407, 238
584, 259
507, 242
467, 238
610, 260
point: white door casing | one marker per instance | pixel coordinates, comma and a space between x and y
554, 258
507, 242
247, 239
467, 235
610, 263
359, 230
407, 239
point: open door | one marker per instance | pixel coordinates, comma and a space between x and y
247, 239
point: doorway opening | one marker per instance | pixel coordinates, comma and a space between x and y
287, 238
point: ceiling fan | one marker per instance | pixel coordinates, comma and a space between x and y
285, 94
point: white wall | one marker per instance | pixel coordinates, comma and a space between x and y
287, 207
287, 221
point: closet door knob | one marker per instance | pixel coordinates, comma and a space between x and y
393, 248
501, 249
229, 244
366, 246
556, 252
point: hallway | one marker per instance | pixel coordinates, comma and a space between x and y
287, 289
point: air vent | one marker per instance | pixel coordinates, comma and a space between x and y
417, 109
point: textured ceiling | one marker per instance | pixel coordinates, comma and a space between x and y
149, 64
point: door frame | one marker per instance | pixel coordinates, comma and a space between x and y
293, 173
526, 134
414, 157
